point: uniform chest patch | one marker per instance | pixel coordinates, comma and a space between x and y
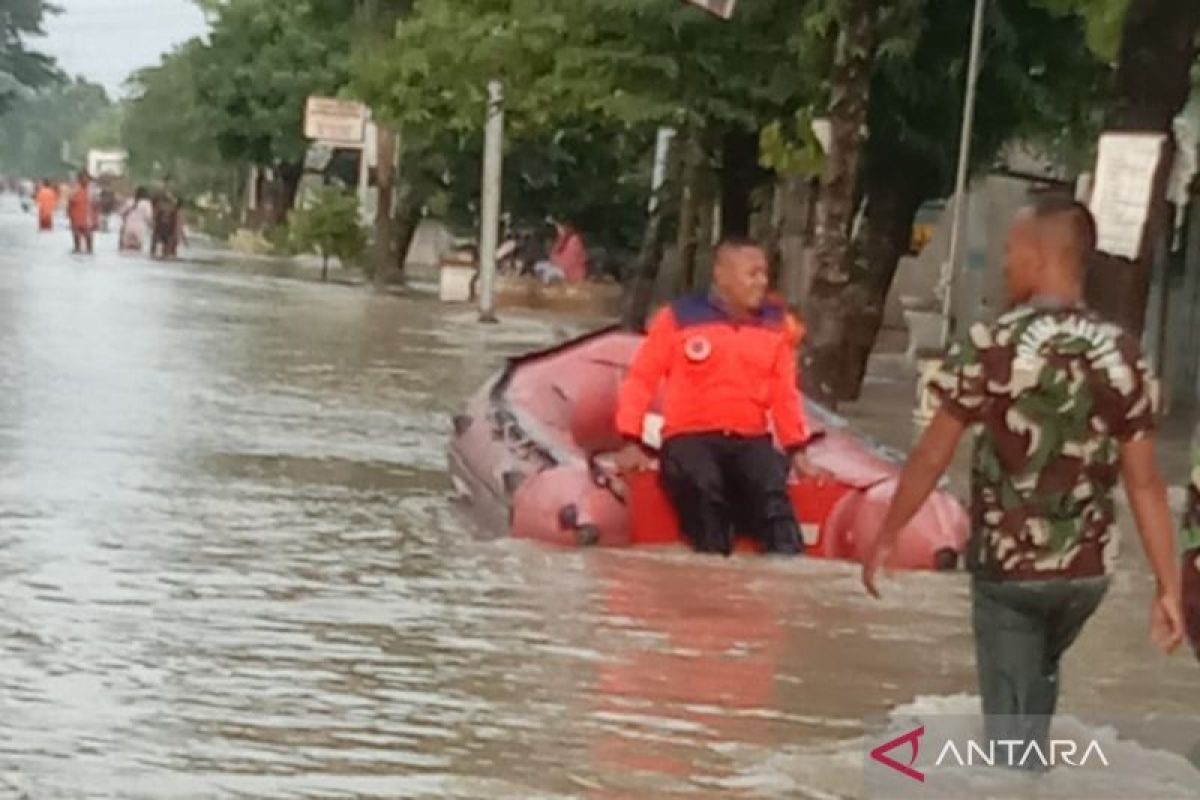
697, 348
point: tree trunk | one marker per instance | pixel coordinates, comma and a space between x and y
287, 183
383, 257
795, 215
324, 266
833, 301
640, 295
410, 204
687, 239
707, 220
850, 87
843, 335
740, 174
1158, 50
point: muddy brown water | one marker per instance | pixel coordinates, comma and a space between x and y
230, 568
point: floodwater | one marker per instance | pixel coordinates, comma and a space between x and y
230, 568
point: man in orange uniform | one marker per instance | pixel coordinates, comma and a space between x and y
727, 363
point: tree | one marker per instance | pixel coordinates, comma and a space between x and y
262, 61
631, 64
169, 132
21, 69
43, 127
329, 227
1038, 78
850, 82
1153, 81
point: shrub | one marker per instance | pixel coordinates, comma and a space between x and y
329, 226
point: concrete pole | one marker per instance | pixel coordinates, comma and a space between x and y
251, 192
662, 150
364, 171
493, 155
950, 265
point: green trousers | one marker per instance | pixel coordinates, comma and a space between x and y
1022, 629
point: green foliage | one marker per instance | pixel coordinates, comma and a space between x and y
21, 69
168, 131
261, 62
329, 226
1037, 83
792, 149
585, 85
639, 62
102, 130
36, 127
1103, 20
595, 174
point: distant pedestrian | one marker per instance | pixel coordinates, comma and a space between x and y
136, 221
568, 258
165, 221
46, 200
81, 209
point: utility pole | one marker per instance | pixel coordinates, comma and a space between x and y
493, 155
950, 265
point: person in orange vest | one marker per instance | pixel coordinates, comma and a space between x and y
47, 201
82, 212
726, 362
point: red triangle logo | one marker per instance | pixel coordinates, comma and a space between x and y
912, 738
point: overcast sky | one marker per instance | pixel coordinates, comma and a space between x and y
106, 40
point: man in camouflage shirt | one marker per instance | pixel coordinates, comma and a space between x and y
1191, 551
1064, 404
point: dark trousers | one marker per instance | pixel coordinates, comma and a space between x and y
719, 484
1022, 630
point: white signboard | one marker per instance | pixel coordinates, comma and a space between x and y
341, 123
106, 163
721, 8
1123, 189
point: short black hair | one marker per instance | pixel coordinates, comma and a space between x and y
1055, 205
737, 240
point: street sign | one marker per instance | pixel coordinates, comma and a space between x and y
341, 123
720, 8
1123, 190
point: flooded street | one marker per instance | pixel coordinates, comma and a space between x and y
230, 568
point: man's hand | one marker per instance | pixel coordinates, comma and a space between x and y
876, 558
632, 458
918, 479
1148, 496
804, 468
1166, 621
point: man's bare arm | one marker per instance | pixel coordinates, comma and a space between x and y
1148, 496
924, 468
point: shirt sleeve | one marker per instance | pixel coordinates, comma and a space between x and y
1134, 414
959, 383
1189, 534
645, 373
787, 407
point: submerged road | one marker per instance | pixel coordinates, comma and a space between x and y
230, 568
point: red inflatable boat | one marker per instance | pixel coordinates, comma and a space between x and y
528, 459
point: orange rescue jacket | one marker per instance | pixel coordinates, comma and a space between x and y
719, 374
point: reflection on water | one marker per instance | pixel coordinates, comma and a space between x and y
229, 568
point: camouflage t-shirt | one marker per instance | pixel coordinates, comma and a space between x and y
1189, 539
1054, 391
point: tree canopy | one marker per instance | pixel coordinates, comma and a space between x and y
22, 69
47, 133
